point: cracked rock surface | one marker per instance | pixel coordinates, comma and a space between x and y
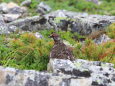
63, 73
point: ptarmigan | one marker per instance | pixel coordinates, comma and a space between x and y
60, 50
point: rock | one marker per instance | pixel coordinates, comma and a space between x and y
103, 38
8, 10
16, 77
17, 10
100, 73
3, 26
94, 1
77, 22
3, 8
42, 8
65, 20
38, 35
65, 73
26, 3
12, 5
64, 13
30, 23
11, 17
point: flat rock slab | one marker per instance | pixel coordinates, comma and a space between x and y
64, 73
101, 74
15, 77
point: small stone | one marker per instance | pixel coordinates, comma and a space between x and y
43, 8
26, 3
38, 35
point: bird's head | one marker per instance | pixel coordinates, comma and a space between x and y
55, 37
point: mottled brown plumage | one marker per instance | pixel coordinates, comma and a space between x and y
60, 50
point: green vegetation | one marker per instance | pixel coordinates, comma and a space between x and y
91, 51
105, 8
25, 51
111, 31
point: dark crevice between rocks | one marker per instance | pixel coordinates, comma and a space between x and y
65, 82
41, 21
76, 73
8, 79
94, 83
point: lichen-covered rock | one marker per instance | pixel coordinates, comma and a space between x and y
15, 77
30, 23
78, 22
64, 73
100, 73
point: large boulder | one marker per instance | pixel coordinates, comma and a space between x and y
65, 20
63, 73
78, 22
100, 73
16, 77
30, 23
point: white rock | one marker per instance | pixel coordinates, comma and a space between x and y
11, 17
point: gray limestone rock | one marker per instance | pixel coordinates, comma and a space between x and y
11, 11
64, 73
11, 17
42, 8
100, 73
30, 23
15, 77
26, 3
78, 22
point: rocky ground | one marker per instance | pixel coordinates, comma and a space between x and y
15, 17
65, 73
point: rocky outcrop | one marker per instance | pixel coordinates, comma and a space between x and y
64, 73
61, 19
78, 22
30, 23
99, 73
11, 11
